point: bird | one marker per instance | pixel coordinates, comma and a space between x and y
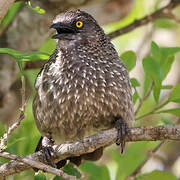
84, 87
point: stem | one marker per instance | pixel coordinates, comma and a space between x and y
153, 111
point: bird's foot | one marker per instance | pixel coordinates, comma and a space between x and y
48, 151
122, 132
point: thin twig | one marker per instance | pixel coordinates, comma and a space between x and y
144, 99
18, 121
38, 165
89, 144
149, 155
164, 12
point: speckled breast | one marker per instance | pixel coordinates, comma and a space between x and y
79, 98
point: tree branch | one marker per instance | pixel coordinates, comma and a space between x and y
165, 12
39, 165
89, 144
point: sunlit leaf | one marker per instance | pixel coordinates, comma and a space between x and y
175, 94
129, 58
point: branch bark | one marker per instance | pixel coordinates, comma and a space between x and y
89, 144
165, 12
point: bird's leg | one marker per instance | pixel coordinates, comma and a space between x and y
48, 150
122, 132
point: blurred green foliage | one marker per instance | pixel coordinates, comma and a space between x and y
10, 15
156, 67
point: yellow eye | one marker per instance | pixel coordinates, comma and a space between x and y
79, 24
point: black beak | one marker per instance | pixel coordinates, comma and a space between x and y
62, 30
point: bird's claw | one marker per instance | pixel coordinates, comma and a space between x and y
122, 132
47, 155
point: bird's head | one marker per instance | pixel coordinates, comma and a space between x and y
75, 25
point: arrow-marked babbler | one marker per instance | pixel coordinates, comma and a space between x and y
84, 87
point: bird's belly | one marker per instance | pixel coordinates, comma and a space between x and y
71, 120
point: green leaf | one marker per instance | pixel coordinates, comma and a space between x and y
152, 68
157, 175
129, 58
165, 23
147, 83
36, 9
135, 97
155, 50
16, 140
174, 111
156, 93
34, 56
175, 94
40, 176
166, 66
30, 56
11, 52
71, 170
134, 82
167, 51
10, 15
96, 172
58, 178
166, 87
